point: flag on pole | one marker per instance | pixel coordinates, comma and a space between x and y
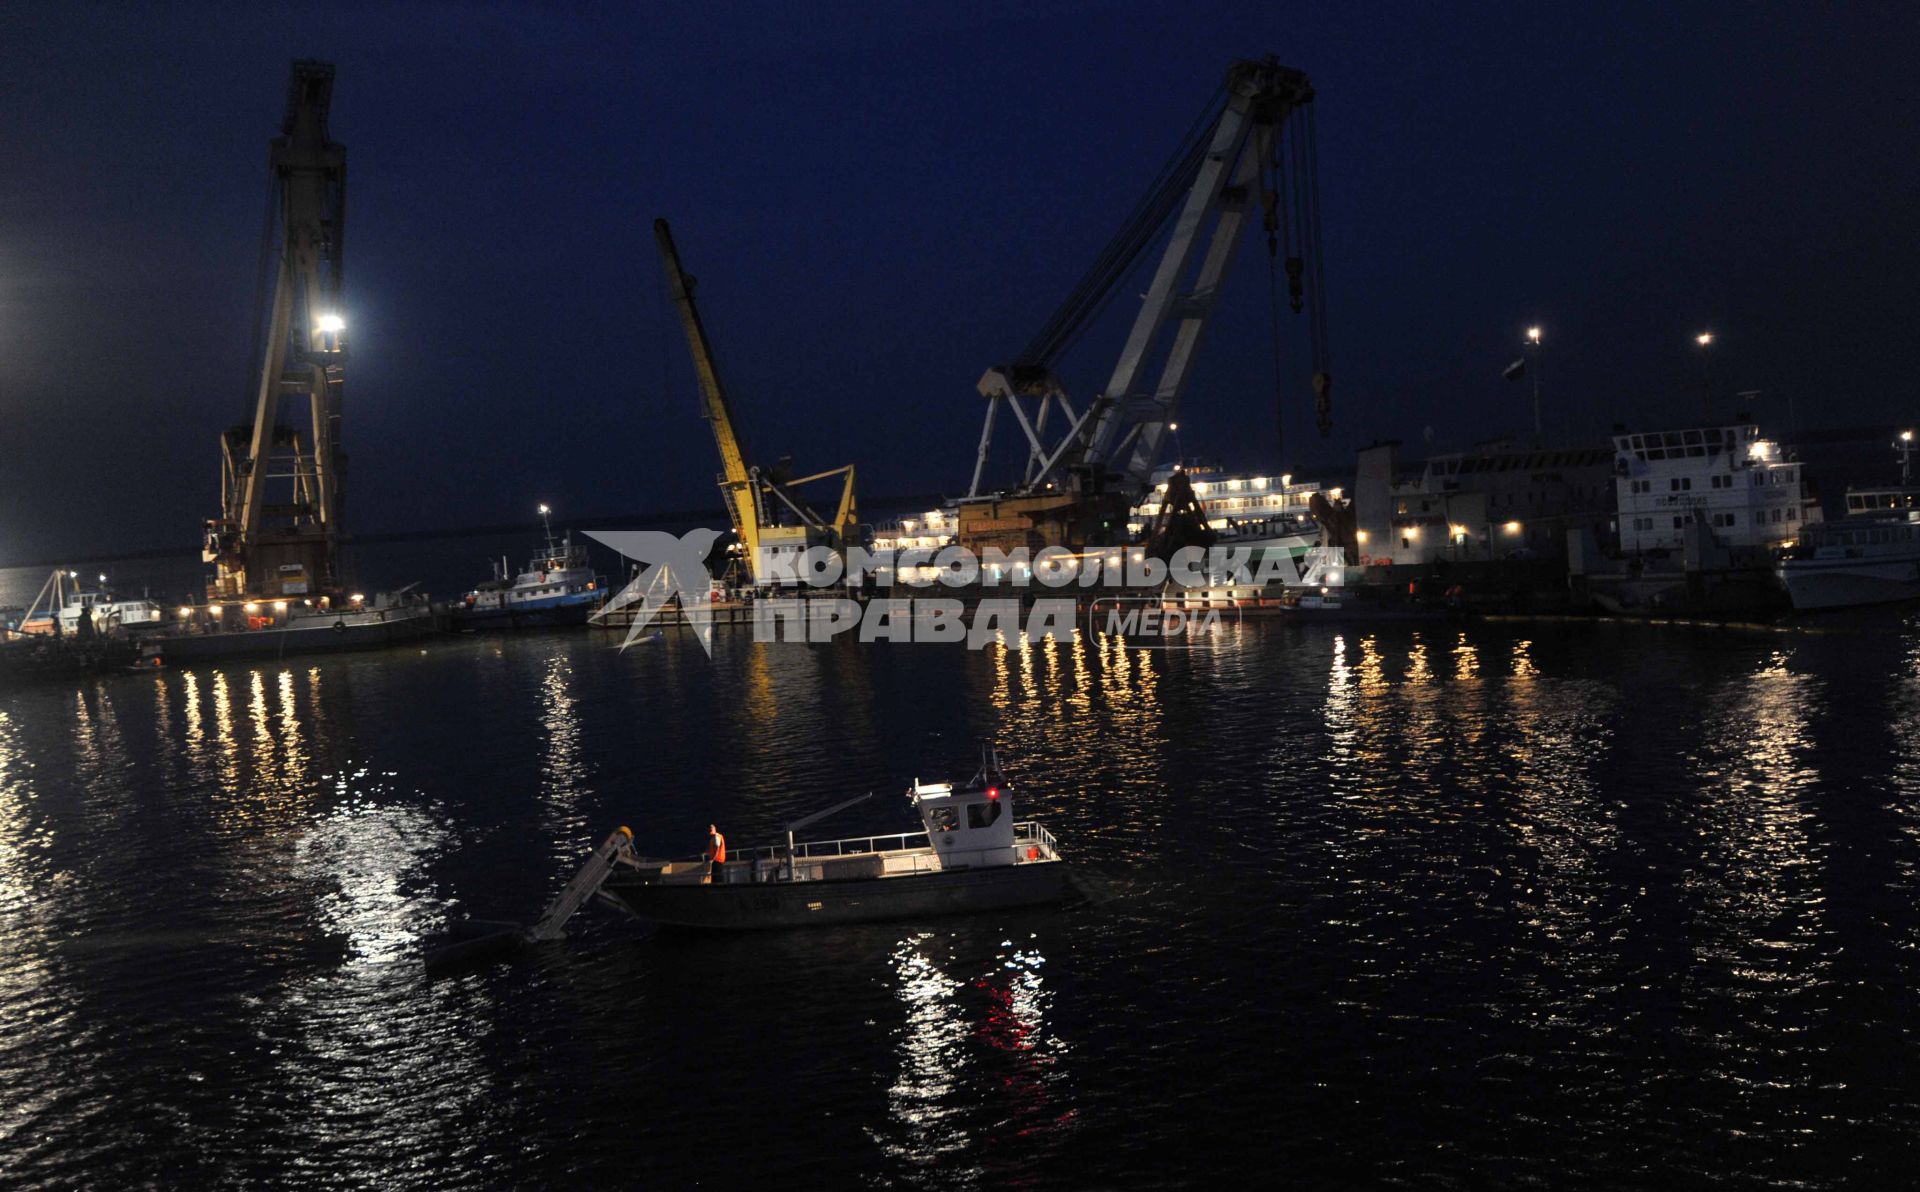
1516, 370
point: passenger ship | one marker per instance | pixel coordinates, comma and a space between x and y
1268, 514
1263, 512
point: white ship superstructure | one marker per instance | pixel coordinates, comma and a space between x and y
1265, 512
1727, 479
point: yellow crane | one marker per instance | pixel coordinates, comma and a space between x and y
773, 522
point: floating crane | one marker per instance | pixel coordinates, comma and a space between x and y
286, 542
770, 518
1253, 144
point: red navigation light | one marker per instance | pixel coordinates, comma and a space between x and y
993, 792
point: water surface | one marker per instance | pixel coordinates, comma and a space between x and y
1428, 906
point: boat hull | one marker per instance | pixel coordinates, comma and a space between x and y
1817, 584
322, 637
762, 905
550, 616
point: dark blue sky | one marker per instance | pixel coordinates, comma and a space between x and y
880, 202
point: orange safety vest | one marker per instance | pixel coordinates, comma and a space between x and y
717, 849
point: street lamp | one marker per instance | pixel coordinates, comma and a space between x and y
1905, 447
1705, 340
1533, 366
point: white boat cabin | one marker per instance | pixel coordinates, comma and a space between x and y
967, 828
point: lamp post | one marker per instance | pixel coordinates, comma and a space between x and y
1533, 366
1905, 448
1705, 340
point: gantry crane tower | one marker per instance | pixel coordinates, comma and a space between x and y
278, 533
769, 515
1252, 146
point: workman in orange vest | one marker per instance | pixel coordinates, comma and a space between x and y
716, 851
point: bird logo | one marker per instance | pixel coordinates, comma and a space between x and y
671, 566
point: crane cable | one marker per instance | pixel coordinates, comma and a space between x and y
1317, 316
1278, 225
1095, 289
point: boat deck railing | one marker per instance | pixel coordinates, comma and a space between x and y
1027, 833
850, 846
1032, 833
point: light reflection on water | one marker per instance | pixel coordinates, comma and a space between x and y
971, 1049
1459, 901
1757, 880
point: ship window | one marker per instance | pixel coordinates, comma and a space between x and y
943, 819
983, 815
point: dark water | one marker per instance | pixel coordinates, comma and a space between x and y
1423, 907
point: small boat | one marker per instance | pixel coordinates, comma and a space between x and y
558, 587
65, 609
970, 855
1861, 560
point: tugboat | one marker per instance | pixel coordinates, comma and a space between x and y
970, 855
557, 588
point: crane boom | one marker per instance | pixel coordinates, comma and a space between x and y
1080, 478
1260, 95
289, 545
737, 482
745, 486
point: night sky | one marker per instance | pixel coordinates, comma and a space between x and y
881, 202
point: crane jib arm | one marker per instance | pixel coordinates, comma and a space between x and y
737, 479
1260, 96
1197, 208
